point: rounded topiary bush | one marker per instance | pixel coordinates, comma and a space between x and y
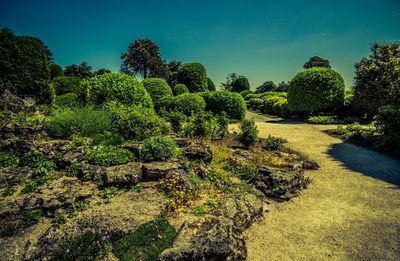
189, 103
158, 148
180, 88
210, 85
240, 84
117, 86
231, 103
157, 88
194, 76
316, 90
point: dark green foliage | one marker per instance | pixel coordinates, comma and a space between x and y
203, 124
189, 103
23, 62
85, 121
268, 86
84, 70
134, 122
68, 100
273, 143
210, 85
377, 80
59, 219
74, 169
108, 193
8, 192
143, 57
240, 84
232, 104
117, 86
55, 71
157, 88
230, 79
245, 93
47, 94
194, 76
282, 87
248, 133
31, 217
316, 61
323, 120
109, 156
166, 104
180, 88
63, 85
316, 90
7, 159
85, 247
147, 242
388, 122
158, 148
33, 185
101, 71
108, 138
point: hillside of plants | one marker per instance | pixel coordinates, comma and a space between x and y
140, 164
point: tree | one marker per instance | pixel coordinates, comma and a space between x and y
49, 53
55, 71
172, 74
268, 86
194, 76
229, 81
316, 61
84, 70
377, 80
282, 87
101, 71
240, 84
210, 84
143, 56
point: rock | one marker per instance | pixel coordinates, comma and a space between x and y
123, 175
50, 148
214, 238
158, 170
91, 172
135, 147
310, 164
10, 177
241, 157
16, 129
16, 104
200, 170
199, 151
70, 158
181, 142
18, 146
280, 183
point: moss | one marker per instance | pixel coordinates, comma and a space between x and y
31, 217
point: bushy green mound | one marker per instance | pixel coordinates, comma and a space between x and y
240, 84
388, 123
189, 103
210, 85
158, 148
117, 86
248, 133
157, 88
63, 85
109, 156
180, 88
231, 103
68, 100
274, 103
203, 124
316, 90
55, 71
194, 76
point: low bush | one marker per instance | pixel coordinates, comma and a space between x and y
248, 133
273, 143
85, 121
108, 139
323, 120
158, 148
231, 103
63, 85
157, 88
68, 100
109, 156
245, 93
189, 103
203, 124
388, 123
180, 88
7, 159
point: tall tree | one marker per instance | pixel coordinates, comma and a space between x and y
142, 57
282, 87
240, 84
84, 70
173, 68
101, 71
268, 86
230, 79
316, 61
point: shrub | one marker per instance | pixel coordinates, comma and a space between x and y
316, 90
68, 100
7, 159
134, 122
256, 104
194, 76
31, 217
232, 104
189, 103
388, 122
166, 104
157, 88
180, 88
63, 85
147, 242
47, 94
245, 93
55, 71
240, 84
322, 120
210, 84
268, 86
108, 138
204, 124
109, 156
85, 121
117, 86
273, 143
158, 148
248, 133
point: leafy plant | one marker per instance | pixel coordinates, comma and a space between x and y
74, 169
8, 192
108, 193
59, 219
189, 103
180, 88
248, 133
30, 217
193, 76
158, 148
7, 159
231, 103
273, 143
68, 100
157, 88
109, 156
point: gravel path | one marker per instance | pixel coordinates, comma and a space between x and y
351, 211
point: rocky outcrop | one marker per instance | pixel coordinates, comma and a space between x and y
123, 175
198, 151
135, 147
14, 103
10, 177
18, 130
310, 164
159, 170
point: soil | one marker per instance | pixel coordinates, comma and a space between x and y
351, 210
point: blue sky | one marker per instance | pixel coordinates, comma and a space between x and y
263, 40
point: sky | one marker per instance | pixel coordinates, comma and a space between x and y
260, 39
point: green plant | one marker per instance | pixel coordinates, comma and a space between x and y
231, 103
59, 219
199, 211
117, 86
248, 133
247, 172
63, 85
55, 70
30, 217
81, 205
316, 90
108, 139
194, 76
85, 121
273, 143
204, 124
189, 103
158, 148
33, 185
180, 88
7, 159
322, 120
109, 156
210, 85
8, 192
157, 88
68, 100
108, 193
388, 123
147, 242
41, 166
74, 169
220, 180
240, 84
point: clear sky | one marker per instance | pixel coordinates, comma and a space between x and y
261, 39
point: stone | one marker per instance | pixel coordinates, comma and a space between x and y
17, 129
18, 146
13, 176
70, 158
135, 147
280, 183
310, 164
15, 103
123, 175
160, 169
198, 151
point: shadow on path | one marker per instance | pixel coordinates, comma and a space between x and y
367, 162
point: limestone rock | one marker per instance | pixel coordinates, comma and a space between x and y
14, 176
199, 151
158, 170
123, 175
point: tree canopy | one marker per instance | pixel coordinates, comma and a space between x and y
268, 86
316, 61
84, 70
